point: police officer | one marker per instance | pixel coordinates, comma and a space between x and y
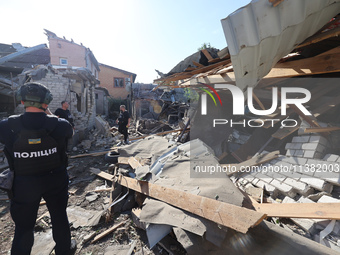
123, 121
35, 149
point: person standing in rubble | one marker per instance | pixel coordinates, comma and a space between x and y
35, 149
64, 112
124, 123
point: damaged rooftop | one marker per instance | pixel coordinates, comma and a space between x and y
233, 151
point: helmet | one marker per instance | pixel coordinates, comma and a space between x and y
34, 94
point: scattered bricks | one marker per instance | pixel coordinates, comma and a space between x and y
242, 181
321, 224
319, 155
328, 199
294, 146
254, 181
290, 152
299, 153
313, 146
305, 200
331, 157
276, 176
266, 186
309, 154
283, 188
295, 160
248, 177
301, 139
317, 183
331, 177
307, 225
292, 174
264, 177
318, 139
299, 187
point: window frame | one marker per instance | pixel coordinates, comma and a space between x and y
119, 79
61, 61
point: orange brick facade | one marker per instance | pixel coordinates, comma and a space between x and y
74, 53
107, 77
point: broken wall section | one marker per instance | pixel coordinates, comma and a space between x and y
73, 85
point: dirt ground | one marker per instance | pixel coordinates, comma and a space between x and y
82, 181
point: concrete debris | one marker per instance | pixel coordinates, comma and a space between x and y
43, 243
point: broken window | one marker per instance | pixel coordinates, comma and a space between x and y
63, 61
119, 82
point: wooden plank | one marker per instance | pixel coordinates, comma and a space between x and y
108, 231
94, 154
123, 160
235, 217
284, 132
320, 37
134, 163
276, 2
258, 101
198, 64
326, 107
321, 129
268, 124
232, 216
327, 62
224, 53
258, 160
162, 133
102, 174
329, 211
207, 54
309, 119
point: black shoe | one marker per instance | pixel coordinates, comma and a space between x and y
73, 248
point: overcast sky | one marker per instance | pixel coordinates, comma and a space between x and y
138, 36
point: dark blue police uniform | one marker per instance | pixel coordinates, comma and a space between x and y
29, 189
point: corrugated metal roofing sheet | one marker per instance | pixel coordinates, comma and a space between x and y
258, 35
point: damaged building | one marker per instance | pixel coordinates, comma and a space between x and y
69, 70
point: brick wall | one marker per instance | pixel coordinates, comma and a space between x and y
107, 76
74, 53
84, 116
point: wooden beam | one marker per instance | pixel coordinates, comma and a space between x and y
102, 174
330, 211
320, 37
232, 216
162, 133
108, 231
198, 64
123, 160
276, 2
326, 107
284, 132
207, 54
258, 101
258, 160
134, 163
327, 62
321, 129
309, 119
94, 154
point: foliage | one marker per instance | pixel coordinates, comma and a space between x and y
191, 95
204, 46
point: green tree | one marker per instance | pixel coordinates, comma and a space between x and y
204, 46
